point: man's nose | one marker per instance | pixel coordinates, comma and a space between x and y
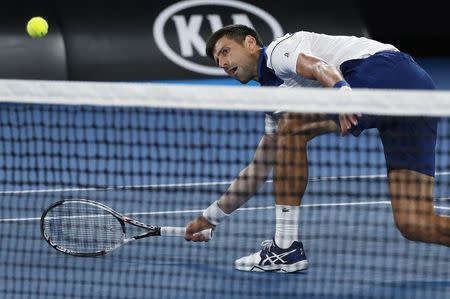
223, 63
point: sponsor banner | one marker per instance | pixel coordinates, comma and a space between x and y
150, 40
181, 28
165, 39
160, 40
188, 23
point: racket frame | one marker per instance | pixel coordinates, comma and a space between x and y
150, 230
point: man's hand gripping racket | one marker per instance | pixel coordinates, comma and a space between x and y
196, 226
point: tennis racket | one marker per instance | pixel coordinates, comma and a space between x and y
87, 228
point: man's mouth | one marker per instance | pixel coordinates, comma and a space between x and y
232, 71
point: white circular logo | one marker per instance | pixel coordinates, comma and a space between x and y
165, 15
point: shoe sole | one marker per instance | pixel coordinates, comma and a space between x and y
291, 268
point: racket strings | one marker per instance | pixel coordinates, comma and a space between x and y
83, 228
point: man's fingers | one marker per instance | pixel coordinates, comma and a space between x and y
347, 120
196, 237
353, 118
344, 123
194, 228
199, 238
190, 231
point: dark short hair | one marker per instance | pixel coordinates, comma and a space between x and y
236, 32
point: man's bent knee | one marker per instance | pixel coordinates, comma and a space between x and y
408, 231
418, 231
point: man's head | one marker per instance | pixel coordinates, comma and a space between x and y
236, 48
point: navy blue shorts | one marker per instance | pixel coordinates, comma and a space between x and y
408, 142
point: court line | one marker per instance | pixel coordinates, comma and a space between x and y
324, 205
199, 184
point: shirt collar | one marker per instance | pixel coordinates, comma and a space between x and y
266, 76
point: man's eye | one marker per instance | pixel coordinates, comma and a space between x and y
225, 51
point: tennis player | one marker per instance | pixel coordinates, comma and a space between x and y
307, 59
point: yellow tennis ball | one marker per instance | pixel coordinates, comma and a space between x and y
37, 27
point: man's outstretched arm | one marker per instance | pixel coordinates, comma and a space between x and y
244, 186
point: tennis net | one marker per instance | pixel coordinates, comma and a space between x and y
162, 153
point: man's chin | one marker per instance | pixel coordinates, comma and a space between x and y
243, 81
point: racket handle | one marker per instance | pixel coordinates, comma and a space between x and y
171, 231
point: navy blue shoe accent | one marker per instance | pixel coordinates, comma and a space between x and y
275, 259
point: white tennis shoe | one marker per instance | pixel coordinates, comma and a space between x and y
272, 258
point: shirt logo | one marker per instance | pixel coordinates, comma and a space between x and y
287, 54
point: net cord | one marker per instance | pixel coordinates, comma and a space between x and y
307, 100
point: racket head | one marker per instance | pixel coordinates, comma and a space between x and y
81, 227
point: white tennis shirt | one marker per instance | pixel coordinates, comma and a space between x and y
283, 52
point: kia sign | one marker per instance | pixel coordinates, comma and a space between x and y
194, 20
165, 39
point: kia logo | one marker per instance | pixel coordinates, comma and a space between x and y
186, 47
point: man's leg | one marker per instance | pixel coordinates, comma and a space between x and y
291, 166
286, 254
412, 204
291, 170
290, 179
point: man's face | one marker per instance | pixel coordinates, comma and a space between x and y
237, 60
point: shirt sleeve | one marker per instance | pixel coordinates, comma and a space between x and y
282, 54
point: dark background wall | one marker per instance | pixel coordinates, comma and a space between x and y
418, 27
115, 41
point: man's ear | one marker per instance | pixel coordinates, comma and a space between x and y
250, 43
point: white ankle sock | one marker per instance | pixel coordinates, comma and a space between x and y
286, 228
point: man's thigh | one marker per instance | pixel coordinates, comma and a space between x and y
411, 196
309, 125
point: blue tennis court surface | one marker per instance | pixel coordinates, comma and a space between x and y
353, 248
346, 225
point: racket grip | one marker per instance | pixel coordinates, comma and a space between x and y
171, 231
